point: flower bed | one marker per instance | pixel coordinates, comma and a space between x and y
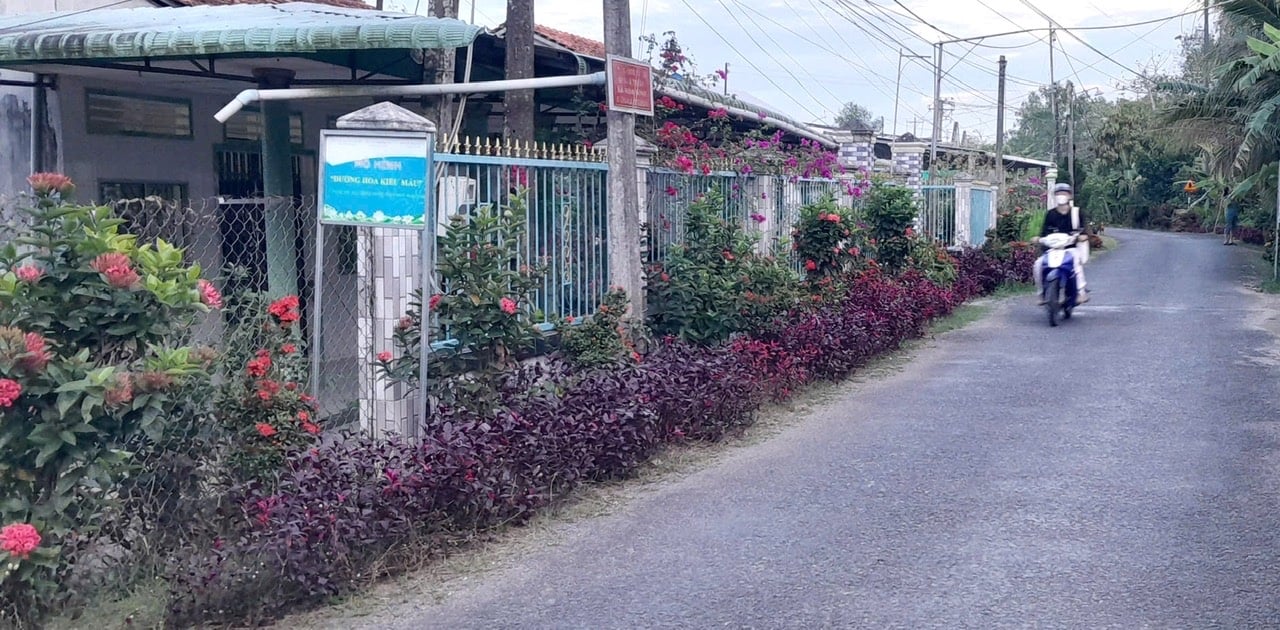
340, 508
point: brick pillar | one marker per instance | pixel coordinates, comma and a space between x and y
908, 162
857, 149
964, 210
1051, 180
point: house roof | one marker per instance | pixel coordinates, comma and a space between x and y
576, 43
206, 31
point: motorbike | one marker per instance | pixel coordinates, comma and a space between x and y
1059, 275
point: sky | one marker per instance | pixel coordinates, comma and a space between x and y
807, 57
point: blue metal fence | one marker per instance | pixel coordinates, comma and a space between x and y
980, 213
566, 219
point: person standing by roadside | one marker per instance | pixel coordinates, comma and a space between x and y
1233, 217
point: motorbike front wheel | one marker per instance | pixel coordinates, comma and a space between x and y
1052, 302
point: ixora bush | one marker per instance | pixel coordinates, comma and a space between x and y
891, 210
714, 284
93, 371
828, 240
262, 403
484, 307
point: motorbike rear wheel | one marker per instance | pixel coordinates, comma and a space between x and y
1052, 297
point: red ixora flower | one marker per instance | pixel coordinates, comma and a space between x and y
38, 355
117, 269
49, 183
19, 539
285, 309
209, 295
29, 274
810, 265
432, 304
288, 348
384, 356
834, 218
122, 392
257, 368
9, 392
265, 430
311, 427
508, 306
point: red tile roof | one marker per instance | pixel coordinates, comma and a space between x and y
576, 43
347, 4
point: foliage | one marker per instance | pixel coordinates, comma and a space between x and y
92, 371
600, 340
484, 306
827, 239
705, 291
261, 401
855, 117
890, 210
931, 260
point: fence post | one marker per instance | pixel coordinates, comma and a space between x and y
857, 149
908, 161
964, 210
1051, 180
763, 204
388, 264
645, 151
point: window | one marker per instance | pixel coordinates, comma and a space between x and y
132, 115
111, 192
247, 125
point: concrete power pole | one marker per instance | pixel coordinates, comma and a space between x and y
1000, 128
897, 93
937, 106
1057, 121
519, 38
624, 195
439, 67
1071, 134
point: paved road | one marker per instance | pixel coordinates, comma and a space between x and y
978, 488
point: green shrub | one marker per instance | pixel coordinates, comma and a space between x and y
891, 210
94, 371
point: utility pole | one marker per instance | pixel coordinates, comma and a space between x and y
623, 222
1053, 86
439, 67
897, 93
1208, 65
1000, 127
519, 40
937, 106
1071, 134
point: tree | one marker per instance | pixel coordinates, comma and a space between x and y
855, 117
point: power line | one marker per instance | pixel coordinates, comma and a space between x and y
854, 62
747, 59
784, 67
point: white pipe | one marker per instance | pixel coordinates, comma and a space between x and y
356, 91
694, 99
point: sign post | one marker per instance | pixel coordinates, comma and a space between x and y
376, 171
630, 86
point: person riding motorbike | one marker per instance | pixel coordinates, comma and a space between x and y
1064, 218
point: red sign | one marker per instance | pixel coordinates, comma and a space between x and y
630, 86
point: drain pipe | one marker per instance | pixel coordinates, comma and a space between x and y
249, 97
739, 112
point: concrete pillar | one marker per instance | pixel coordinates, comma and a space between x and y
964, 210
761, 202
857, 149
1050, 180
277, 186
388, 272
908, 162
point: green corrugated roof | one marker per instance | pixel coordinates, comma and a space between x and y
201, 32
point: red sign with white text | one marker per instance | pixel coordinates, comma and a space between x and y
630, 86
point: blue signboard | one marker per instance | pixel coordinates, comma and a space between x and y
374, 180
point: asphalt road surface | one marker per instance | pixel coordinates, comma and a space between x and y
1119, 471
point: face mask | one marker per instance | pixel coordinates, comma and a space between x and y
1062, 199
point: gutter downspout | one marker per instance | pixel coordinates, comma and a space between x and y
248, 97
746, 114
39, 114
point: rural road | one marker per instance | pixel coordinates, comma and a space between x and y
984, 485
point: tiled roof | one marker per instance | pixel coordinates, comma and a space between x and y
576, 43
346, 4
